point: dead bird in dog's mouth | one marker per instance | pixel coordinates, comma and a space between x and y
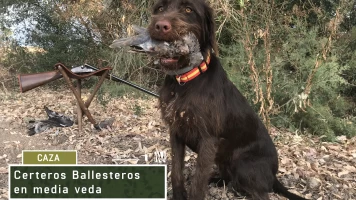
184, 52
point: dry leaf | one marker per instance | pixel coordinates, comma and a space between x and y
342, 173
4, 170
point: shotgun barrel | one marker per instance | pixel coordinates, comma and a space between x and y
117, 79
29, 81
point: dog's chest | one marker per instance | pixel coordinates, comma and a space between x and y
183, 122
186, 115
177, 112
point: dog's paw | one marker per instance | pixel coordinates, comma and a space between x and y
219, 182
196, 197
196, 194
179, 195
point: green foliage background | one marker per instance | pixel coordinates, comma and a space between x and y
295, 61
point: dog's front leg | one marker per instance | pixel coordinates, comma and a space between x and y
204, 168
178, 151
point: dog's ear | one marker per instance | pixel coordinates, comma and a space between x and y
209, 32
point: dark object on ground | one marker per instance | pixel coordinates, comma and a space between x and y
105, 124
54, 120
58, 119
209, 115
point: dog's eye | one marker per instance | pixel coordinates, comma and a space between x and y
188, 10
160, 9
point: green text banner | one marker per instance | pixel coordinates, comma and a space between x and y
83, 181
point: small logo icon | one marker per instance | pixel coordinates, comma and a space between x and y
159, 157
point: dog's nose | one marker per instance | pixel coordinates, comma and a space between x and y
163, 26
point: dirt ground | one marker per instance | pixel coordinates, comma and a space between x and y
314, 169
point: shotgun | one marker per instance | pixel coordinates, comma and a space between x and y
30, 81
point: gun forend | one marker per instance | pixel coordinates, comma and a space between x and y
29, 81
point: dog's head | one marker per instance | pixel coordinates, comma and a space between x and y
172, 19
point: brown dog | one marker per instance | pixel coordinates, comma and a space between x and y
207, 113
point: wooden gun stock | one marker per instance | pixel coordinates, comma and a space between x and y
29, 81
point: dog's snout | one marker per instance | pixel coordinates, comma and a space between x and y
163, 26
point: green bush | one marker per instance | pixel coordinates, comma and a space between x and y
296, 51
